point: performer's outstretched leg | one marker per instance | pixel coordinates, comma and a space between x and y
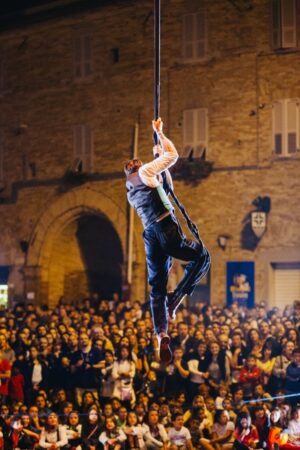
158, 264
175, 244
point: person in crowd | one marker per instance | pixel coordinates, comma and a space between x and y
266, 363
107, 380
5, 374
293, 377
29, 429
176, 373
134, 433
112, 437
222, 433
278, 375
245, 434
197, 367
91, 430
249, 376
276, 437
293, 431
261, 422
155, 435
218, 367
179, 435
16, 438
54, 435
123, 373
74, 430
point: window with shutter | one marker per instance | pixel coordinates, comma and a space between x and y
195, 133
82, 55
286, 127
83, 147
194, 36
284, 24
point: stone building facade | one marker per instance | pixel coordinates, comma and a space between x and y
75, 81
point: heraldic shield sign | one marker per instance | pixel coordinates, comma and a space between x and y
258, 223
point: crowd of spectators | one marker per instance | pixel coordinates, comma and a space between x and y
89, 378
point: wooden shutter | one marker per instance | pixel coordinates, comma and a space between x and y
195, 132
77, 141
82, 54
200, 28
83, 146
276, 24
286, 284
188, 36
278, 128
292, 126
288, 23
88, 149
201, 132
188, 132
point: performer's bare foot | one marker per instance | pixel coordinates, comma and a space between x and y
174, 301
165, 353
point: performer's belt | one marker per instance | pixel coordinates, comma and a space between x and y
163, 216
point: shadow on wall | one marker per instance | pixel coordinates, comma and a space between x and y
101, 253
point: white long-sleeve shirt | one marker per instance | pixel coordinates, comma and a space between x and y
149, 172
58, 437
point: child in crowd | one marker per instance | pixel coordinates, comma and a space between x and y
179, 435
112, 437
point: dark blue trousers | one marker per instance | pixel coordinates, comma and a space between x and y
164, 240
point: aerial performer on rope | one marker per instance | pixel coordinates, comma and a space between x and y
148, 187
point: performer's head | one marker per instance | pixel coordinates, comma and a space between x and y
132, 166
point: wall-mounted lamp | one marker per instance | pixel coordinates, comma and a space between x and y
222, 240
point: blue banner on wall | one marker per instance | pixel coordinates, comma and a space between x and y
240, 283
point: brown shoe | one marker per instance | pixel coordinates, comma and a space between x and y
165, 353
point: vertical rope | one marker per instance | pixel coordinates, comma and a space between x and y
156, 63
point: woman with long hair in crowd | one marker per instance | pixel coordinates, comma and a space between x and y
91, 430
74, 430
276, 438
155, 435
266, 363
36, 374
222, 433
254, 343
113, 437
134, 433
123, 373
218, 367
53, 433
245, 434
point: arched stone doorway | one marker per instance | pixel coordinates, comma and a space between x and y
77, 247
86, 257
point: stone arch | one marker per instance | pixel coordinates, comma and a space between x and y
67, 209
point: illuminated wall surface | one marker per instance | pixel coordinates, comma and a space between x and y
73, 84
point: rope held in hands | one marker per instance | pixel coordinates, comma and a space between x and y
157, 14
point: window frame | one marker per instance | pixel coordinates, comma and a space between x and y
81, 134
279, 26
195, 42
195, 142
285, 128
79, 37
